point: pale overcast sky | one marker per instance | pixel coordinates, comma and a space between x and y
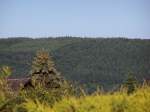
92, 18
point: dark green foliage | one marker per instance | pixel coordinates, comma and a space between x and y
89, 61
104, 62
130, 83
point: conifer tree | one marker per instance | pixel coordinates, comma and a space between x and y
43, 71
130, 83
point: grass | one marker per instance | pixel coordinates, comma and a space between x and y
119, 101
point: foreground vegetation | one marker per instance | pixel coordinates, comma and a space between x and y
99, 102
119, 101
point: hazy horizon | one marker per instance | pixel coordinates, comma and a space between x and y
148, 38
80, 18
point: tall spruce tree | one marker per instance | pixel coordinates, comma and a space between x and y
44, 73
46, 84
130, 83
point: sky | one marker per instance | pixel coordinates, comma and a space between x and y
86, 18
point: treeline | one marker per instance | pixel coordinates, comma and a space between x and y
90, 61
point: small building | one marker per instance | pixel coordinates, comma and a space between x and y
16, 83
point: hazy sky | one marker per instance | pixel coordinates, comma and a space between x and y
92, 18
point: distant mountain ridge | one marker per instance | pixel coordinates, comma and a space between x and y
90, 61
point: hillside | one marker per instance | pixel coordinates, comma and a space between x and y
99, 61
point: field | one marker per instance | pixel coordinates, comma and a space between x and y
116, 102
119, 101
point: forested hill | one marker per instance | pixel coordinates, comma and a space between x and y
90, 61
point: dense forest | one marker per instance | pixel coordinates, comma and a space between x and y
91, 62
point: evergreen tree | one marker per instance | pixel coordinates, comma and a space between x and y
44, 73
47, 83
130, 83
